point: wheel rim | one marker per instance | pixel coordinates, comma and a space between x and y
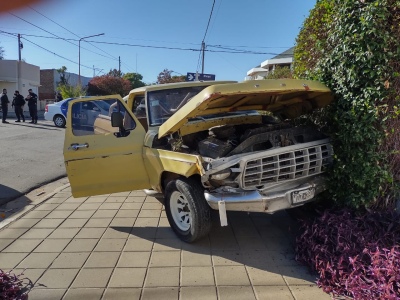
59, 121
180, 211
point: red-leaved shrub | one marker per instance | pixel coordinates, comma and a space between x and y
355, 254
11, 287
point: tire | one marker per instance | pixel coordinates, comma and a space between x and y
195, 222
59, 121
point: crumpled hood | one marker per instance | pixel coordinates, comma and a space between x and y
288, 98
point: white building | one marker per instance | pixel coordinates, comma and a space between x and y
18, 75
285, 59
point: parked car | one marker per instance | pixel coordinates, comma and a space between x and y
57, 112
198, 146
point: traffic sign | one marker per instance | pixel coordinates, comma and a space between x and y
200, 77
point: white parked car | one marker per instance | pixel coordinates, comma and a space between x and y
57, 112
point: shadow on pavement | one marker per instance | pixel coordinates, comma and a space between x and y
8, 207
258, 241
38, 126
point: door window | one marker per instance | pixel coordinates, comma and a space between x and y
94, 117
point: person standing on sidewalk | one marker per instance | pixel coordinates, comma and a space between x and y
18, 103
32, 104
4, 105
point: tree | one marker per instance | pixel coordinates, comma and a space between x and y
135, 79
1, 53
115, 73
63, 77
69, 91
280, 73
165, 77
109, 85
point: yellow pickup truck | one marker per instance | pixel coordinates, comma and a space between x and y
202, 146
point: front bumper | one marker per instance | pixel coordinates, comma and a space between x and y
263, 201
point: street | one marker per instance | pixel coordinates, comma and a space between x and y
31, 155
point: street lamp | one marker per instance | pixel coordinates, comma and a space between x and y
85, 37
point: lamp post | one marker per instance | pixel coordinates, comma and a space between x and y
79, 46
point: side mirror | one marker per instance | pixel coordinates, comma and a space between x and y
117, 120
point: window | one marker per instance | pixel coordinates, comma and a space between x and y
94, 117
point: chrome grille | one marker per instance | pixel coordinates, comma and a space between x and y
288, 165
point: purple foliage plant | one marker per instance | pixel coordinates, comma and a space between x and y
12, 286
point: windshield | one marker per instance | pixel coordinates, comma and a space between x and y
164, 103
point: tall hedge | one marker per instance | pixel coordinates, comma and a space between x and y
358, 53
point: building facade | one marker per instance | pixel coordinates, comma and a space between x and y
21, 76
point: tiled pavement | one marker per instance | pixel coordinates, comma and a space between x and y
120, 246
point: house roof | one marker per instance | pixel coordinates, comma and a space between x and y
288, 53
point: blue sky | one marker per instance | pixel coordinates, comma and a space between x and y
265, 26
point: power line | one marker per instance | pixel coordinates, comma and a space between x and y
209, 19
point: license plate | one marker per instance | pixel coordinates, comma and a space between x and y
303, 195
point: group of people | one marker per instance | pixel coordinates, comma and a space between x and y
18, 103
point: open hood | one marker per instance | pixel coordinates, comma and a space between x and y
288, 98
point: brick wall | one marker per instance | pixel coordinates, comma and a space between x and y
47, 88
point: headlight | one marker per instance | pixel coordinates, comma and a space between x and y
221, 175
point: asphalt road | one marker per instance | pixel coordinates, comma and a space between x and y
30, 155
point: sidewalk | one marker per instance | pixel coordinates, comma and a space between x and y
120, 246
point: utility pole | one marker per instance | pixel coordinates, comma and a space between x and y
203, 47
119, 64
19, 47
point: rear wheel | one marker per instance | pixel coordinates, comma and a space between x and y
59, 121
187, 211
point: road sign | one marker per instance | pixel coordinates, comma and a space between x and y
201, 77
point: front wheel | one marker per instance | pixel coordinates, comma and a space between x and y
187, 210
59, 121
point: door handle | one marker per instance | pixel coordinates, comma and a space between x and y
78, 146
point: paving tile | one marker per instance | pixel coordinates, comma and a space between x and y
199, 293
37, 233
151, 199
32, 274
235, 293
134, 260
137, 193
68, 206
127, 277
92, 278
192, 259
231, 275
143, 232
265, 259
81, 245
165, 233
23, 245
115, 199
81, 214
98, 223
57, 278
227, 258
106, 205
117, 233
122, 293
106, 213
49, 223
52, 245
46, 294
47, 206
23, 223
275, 293
110, 245
122, 222
250, 243
63, 193
149, 213
158, 277
87, 233
167, 244
127, 213
131, 205
149, 205
224, 243
121, 194
73, 223
102, 260
38, 260
146, 222
197, 276
59, 214
85, 293
63, 233
139, 245
164, 259
88, 206
297, 275
5, 242
56, 200
70, 260
78, 200
95, 199
278, 244
265, 277
160, 293
36, 214
305, 292
9, 260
